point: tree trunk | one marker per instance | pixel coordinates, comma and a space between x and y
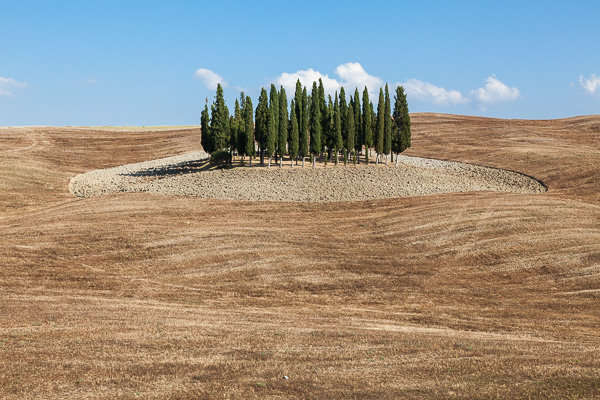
269, 167
280, 162
397, 159
314, 162
387, 157
250, 160
303, 158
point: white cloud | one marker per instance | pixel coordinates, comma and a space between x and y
426, 91
209, 78
352, 75
590, 85
7, 85
307, 77
495, 92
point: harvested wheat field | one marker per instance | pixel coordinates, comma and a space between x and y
472, 294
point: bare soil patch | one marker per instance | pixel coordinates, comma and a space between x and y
188, 174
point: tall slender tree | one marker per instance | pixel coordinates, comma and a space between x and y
380, 126
219, 124
283, 125
303, 134
293, 143
343, 116
358, 136
401, 137
387, 126
338, 143
367, 130
249, 129
274, 121
325, 121
350, 133
315, 123
262, 123
205, 139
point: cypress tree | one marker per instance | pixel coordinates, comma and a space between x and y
350, 132
235, 126
293, 143
205, 130
387, 126
367, 130
337, 129
401, 139
328, 132
303, 134
274, 120
373, 122
249, 124
315, 123
283, 125
219, 124
325, 121
380, 125
262, 123
343, 116
358, 136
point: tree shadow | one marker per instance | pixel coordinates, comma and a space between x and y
182, 168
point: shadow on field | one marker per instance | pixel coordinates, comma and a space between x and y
185, 167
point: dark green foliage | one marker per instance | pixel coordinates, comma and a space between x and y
236, 125
205, 139
380, 123
249, 127
367, 130
283, 123
343, 115
303, 125
401, 137
293, 143
273, 122
220, 157
387, 127
262, 123
219, 124
328, 132
315, 121
350, 129
338, 142
358, 136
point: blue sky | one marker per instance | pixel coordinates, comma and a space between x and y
154, 62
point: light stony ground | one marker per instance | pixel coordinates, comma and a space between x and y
412, 177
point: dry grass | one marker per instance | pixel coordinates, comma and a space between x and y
467, 295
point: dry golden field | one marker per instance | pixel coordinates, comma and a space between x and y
465, 295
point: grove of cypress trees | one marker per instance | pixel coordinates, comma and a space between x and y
380, 126
338, 142
315, 123
205, 139
262, 123
367, 130
293, 143
283, 125
219, 124
303, 125
387, 126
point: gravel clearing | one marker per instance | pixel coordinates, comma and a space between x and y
187, 175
